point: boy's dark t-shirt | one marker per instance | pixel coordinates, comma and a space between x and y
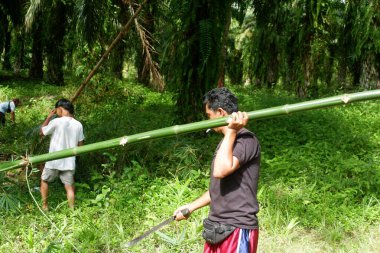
234, 198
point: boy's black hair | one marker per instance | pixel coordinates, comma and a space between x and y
66, 104
221, 98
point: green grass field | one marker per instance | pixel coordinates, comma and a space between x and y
318, 191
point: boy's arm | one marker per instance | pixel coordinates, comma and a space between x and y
47, 120
12, 116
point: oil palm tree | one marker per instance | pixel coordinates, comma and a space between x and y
11, 17
192, 50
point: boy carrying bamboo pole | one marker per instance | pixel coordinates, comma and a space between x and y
232, 224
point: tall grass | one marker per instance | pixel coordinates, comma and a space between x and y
318, 188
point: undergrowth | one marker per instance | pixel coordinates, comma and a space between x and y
318, 188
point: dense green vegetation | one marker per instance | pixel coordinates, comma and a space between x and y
306, 47
318, 188
320, 175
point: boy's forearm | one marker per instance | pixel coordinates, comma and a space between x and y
12, 117
46, 122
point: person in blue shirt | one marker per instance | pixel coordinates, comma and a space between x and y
8, 107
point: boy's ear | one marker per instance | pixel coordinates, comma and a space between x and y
222, 112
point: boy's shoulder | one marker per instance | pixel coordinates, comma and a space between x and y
77, 121
68, 119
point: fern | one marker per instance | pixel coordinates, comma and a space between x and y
9, 203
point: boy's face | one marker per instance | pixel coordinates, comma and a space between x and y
214, 115
59, 111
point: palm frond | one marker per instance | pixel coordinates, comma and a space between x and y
9, 203
32, 13
149, 64
205, 30
91, 19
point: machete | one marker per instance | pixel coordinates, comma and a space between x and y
185, 212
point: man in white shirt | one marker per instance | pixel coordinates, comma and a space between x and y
10, 107
66, 132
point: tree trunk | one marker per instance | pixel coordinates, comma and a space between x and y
20, 45
356, 70
143, 75
200, 58
342, 72
329, 66
369, 76
235, 67
3, 30
36, 65
223, 53
307, 60
308, 71
193, 88
7, 48
118, 53
272, 73
377, 66
117, 63
54, 45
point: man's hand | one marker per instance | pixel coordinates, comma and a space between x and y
179, 215
202, 201
237, 120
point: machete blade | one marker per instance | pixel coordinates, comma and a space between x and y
185, 213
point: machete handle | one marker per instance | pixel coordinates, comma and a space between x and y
185, 212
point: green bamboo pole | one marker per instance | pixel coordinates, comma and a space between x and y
192, 127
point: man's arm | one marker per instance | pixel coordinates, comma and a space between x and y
200, 202
225, 163
47, 120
